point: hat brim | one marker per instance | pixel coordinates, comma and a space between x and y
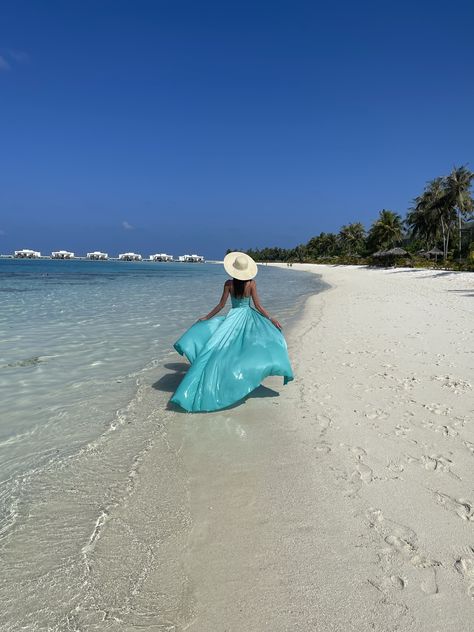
242, 275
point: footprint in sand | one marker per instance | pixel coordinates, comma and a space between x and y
356, 450
460, 506
402, 541
388, 582
438, 409
409, 382
397, 582
322, 447
324, 421
438, 463
465, 567
363, 473
395, 466
430, 462
429, 585
469, 446
409, 552
356, 479
376, 414
456, 385
447, 431
351, 483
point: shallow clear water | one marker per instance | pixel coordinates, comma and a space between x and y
81, 344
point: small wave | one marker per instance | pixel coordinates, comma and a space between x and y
95, 535
18, 438
9, 513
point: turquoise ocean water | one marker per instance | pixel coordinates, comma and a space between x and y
81, 346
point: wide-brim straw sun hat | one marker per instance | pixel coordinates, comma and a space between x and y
240, 266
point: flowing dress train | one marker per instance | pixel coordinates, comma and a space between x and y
229, 356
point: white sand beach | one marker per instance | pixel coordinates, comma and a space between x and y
347, 502
343, 502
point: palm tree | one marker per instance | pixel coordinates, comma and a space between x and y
352, 237
434, 215
299, 253
419, 224
458, 192
386, 231
440, 210
322, 245
423, 219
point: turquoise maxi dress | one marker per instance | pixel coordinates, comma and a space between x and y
230, 356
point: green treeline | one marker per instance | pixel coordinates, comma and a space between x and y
438, 219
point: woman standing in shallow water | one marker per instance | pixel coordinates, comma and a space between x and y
231, 355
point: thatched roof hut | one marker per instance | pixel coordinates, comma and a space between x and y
434, 253
396, 252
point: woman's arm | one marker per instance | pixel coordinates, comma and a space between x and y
259, 306
221, 304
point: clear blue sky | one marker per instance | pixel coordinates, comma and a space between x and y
196, 125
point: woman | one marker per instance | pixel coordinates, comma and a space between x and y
231, 355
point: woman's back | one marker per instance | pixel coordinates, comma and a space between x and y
240, 289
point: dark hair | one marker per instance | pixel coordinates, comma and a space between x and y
239, 287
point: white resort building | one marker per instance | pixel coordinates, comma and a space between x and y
97, 256
27, 254
130, 256
161, 257
191, 258
62, 254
